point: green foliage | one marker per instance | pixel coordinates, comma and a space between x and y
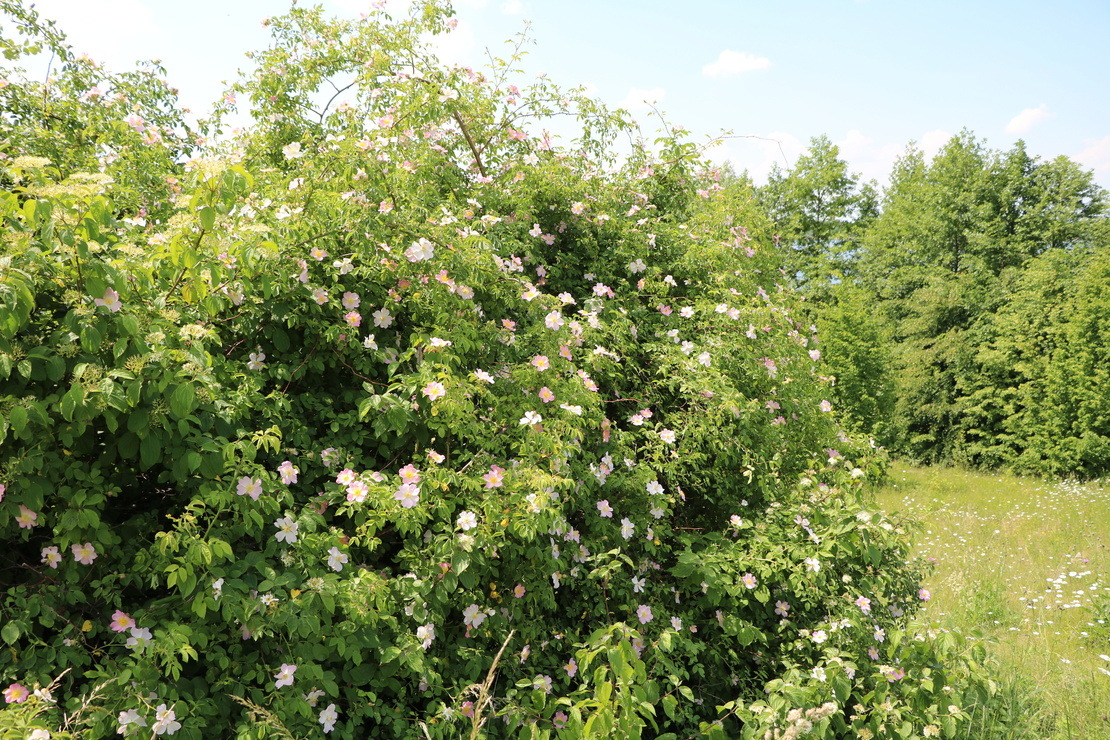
820, 212
960, 264
393, 385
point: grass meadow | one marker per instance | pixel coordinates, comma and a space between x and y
1023, 564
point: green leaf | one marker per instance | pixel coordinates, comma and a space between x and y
17, 417
207, 218
183, 400
150, 450
10, 633
71, 400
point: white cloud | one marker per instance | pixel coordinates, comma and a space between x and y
638, 99
731, 63
932, 142
1096, 156
512, 7
1027, 119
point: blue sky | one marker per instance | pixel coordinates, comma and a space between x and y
872, 75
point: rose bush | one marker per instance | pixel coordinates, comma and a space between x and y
400, 420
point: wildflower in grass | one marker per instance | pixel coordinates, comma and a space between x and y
627, 528
467, 520
873, 653
864, 604
531, 419
782, 608
426, 633
121, 622
495, 477
408, 494
320, 296
346, 477
571, 668
165, 721
604, 508
287, 530
284, 676
813, 564
249, 487
84, 554
546, 395
519, 591
655, 488
825, 406
16, 693
336, 559
748, 580
329, 717
880, 634
676, 624
924, 595
540, 362
554, 321
643, 613
819, 636
26, 517
351, 301
667, 436
353, 319
434, 390
51, 556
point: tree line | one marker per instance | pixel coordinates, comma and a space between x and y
963, 307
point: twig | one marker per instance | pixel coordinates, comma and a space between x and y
470, 142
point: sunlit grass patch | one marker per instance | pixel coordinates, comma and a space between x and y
1026, 564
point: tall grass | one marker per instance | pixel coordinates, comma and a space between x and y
1023, 564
